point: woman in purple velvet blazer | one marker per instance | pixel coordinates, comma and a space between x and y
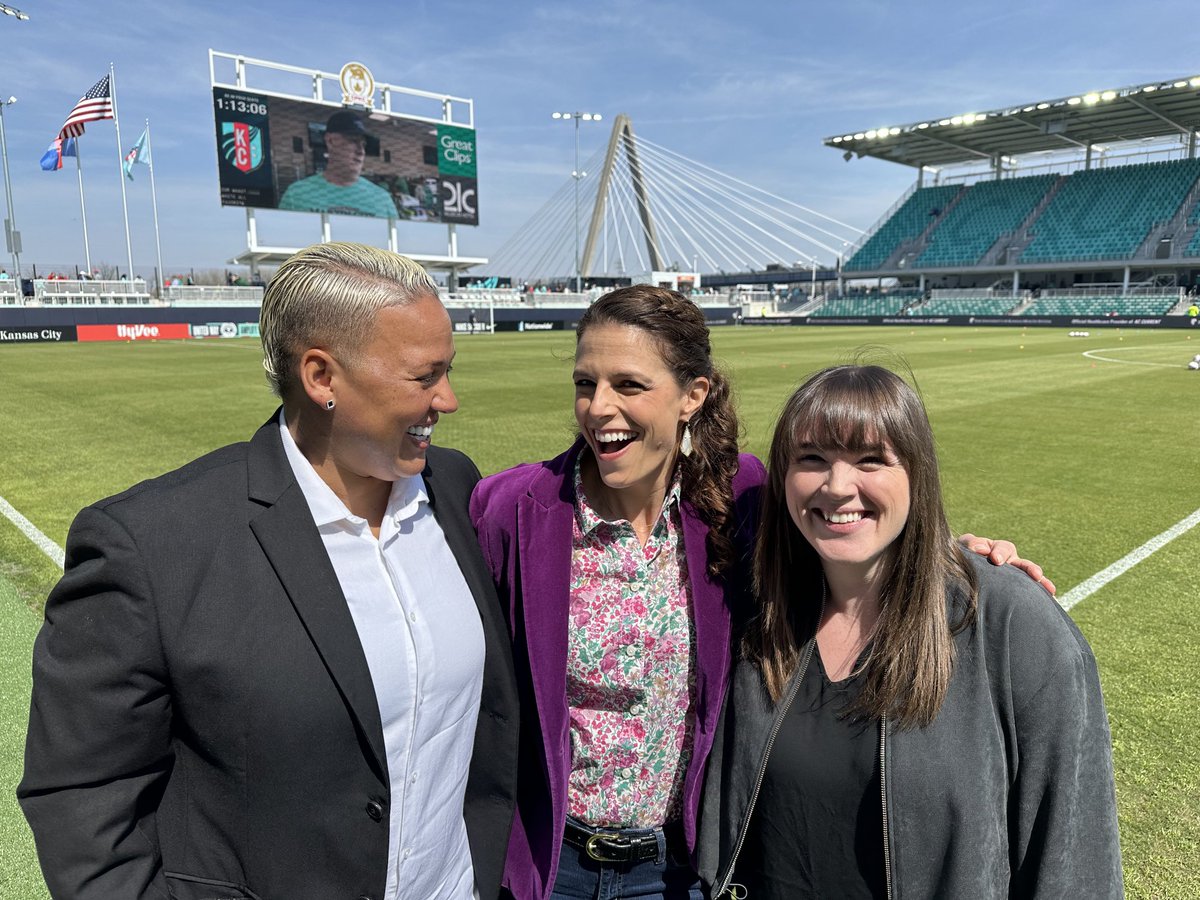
620, 563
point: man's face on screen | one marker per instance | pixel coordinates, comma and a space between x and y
344, 156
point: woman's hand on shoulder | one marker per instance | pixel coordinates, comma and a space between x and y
1000, 553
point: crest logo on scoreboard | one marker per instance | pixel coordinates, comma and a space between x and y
358, 85
242, 145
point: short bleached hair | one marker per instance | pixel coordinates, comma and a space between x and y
328, 295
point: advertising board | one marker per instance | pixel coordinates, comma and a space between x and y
165, 331
309, 156
37, 334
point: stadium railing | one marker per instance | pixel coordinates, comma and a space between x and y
213, 295
72, 292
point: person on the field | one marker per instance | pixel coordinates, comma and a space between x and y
905, 720
281, 671
621, 562
340, 188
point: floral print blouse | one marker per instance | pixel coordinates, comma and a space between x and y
631, 667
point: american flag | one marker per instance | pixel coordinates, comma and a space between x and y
95, 104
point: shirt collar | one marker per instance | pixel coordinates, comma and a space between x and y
327, 508
589, 520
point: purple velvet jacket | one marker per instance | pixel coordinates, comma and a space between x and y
523, 519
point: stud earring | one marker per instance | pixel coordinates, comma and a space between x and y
685, 445
329, 403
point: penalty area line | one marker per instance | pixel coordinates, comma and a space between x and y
1085, 589
1094, 354
31, 531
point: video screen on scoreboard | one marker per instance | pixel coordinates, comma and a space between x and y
280, 153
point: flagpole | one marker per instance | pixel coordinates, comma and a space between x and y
112, 86
87, 248
154, 201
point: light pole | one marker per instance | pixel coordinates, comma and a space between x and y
577, 175
14, 236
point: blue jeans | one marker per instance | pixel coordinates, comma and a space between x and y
582, 878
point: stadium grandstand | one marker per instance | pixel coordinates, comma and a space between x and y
1079, 205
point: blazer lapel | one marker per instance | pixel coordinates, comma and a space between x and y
544, 522
711, 616
291, 542
460, 536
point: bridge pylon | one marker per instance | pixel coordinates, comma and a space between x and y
622, 135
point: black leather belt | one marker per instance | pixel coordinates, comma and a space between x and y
626, 845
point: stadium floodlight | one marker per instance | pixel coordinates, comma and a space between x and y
578, 175
1109, 95
1091, 99
872, 134
15, 13
1194, 82
1074, 101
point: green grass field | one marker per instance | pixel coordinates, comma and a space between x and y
1078, 460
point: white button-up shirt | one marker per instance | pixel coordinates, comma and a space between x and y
420, 632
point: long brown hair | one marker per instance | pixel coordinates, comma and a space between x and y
860, 409
680, 332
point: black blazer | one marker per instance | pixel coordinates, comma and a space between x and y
203, 722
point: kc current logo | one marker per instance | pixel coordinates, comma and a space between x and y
241, 143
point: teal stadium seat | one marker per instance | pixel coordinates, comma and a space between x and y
907, 222
1193, 247
1140, 305
988, 210
1107, 213
870, 304
982, 305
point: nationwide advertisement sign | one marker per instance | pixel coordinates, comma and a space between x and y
167, 331
216, 330
308, 156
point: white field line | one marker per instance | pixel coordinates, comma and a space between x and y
1085, 589
1093, 354
47, 546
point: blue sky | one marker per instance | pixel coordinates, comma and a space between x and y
748, 88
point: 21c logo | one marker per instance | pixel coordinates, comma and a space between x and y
459, 199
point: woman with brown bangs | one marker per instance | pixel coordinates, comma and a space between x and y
903, 722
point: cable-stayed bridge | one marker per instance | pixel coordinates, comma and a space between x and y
638, 207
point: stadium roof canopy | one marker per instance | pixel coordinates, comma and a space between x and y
1096, 119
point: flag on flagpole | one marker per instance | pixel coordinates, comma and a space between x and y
52, 159
139, 154
94, 105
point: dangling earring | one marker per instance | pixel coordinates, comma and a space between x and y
685, 445
329, 403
